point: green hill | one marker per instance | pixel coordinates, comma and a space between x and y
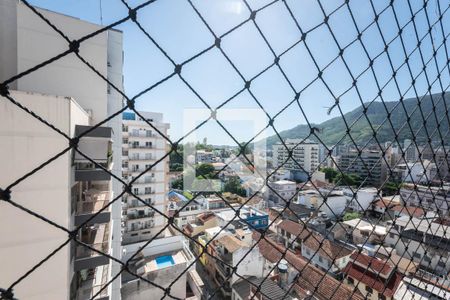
333, 130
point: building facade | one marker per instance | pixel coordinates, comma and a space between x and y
368, 165
67, 94
142, 150
299, 157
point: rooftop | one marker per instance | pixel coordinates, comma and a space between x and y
326, 248
311, 278
296, 229
269, 288
231, 243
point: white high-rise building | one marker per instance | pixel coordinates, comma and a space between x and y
142, 148
303, 161
71, 189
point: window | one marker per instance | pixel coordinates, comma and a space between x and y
441, 264
320, 259
392, 235
369, 289
350, 280
146, 232
381, 297
124, 141
136, 191
416, 255
426, 258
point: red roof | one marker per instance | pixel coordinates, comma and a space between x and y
409, 210
326, 248
294, 228
360, 274
375, 264
311, 279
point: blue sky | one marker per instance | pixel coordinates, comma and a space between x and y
181, 33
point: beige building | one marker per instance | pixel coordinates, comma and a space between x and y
70, 96
142, 148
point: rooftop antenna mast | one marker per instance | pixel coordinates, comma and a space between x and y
101, 12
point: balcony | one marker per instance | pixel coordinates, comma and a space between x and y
137, 203
139, 226
86, 171
134, 146
141, 159
145, 181
96, 144
98, 239
142, 135
88, 199
96, 279
141, 214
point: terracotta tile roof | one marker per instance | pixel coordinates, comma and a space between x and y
374, 264
409, 210
384, 203
325, 248
296, 229
231, 243
188, 229
311, 279
360, 274
206, 217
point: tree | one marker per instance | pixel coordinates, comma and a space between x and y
391, 188
347, 179
206, 170
330, 173
233, 185
178, 184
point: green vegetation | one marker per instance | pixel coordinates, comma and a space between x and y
351, 215
188, 195
333, 130
391, 188
330, 173
206, 170
347, 179
233, 185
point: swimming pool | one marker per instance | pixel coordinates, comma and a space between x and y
164, 261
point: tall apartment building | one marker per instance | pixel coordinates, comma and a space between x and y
69, 190
142, 147
303, 161
369, 165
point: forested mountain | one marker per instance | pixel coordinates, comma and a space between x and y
332, 131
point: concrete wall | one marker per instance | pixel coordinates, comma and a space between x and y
8, 41
25, 143
68, 76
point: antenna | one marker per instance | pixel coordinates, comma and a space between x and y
101, 12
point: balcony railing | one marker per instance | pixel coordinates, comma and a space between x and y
93, 284
143, 135
92, 201
141, 216
138, 204
140, 158
139, 227
97, 239
140, 146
